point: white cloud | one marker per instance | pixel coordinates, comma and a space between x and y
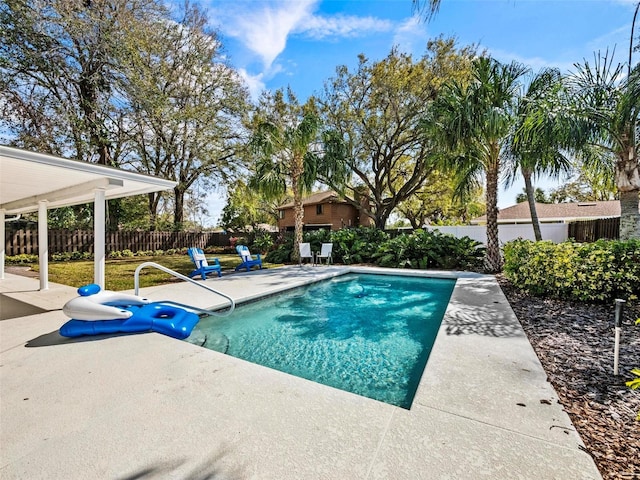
411, 36
535, 63
263, 27
343, 26
618, 38
255, 83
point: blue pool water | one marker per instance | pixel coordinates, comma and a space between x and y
366, 334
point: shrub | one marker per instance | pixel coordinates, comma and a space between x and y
357, 245
282, 251
22, 258
263, 242
422, 249
593, 272
425, 249
66, 256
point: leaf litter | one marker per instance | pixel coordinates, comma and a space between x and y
575, 343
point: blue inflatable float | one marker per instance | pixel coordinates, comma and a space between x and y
98, 311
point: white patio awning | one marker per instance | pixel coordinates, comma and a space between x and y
36, 182
26, 178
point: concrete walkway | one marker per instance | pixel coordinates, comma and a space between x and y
149, 406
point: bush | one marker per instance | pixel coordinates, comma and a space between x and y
263, 242
67, 256
357, 245
594, 272
422, 249
282, 251
425, 249
22, 258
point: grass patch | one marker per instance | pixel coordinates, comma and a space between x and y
119, 271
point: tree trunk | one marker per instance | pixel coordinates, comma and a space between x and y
531, 198
298, 213
629, 216
113, 214
298, 208
493, 263
628, 183
154, 199
178, 209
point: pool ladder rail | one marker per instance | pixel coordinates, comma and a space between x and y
136, 283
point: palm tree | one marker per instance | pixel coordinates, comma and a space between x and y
605, 106
426, 8
291, 153
473, 122
540, 137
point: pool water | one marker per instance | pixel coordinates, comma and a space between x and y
366, 334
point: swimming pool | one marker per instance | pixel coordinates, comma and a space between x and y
364, 333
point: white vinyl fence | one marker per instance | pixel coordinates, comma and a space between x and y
556, 232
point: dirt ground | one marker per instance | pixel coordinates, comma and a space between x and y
575, 343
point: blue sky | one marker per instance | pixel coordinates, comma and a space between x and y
299, 43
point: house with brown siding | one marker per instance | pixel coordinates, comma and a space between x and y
322, 210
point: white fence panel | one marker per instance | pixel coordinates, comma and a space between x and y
556, 232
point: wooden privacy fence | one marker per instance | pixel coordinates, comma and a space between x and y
592, 230
61, 241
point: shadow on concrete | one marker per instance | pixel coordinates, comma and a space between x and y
480, 320
207, 469
480, 308
54, 338
12, 308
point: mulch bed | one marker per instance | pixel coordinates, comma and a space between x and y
575, 343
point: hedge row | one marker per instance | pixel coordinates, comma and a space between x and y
593, 272
421, 249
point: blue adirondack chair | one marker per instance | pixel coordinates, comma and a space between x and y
247, 259
202, 265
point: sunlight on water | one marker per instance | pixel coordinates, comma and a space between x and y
366, 334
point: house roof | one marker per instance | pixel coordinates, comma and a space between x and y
319, 197
29, 177
556, 212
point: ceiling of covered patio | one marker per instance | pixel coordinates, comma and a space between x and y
26, 178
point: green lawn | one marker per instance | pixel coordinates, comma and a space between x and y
119, 272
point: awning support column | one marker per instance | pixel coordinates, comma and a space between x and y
99, 230
43, 244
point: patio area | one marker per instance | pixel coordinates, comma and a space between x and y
149, 406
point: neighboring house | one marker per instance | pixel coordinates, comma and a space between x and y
322, 210
555, 212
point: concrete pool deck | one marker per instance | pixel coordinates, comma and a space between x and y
149, 406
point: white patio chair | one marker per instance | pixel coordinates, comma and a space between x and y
325, 252
305, 252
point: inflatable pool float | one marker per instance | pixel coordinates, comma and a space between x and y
96, 312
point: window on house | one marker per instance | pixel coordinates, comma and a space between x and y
319, 209
281, 214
